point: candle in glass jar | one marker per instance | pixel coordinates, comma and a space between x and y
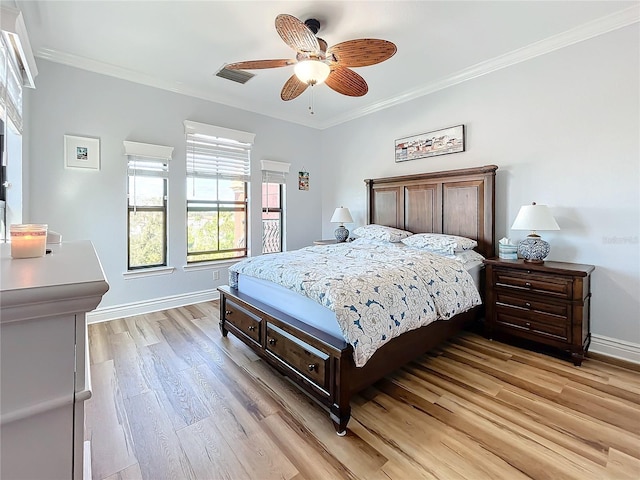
28, 240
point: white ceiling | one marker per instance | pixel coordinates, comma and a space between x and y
180, 45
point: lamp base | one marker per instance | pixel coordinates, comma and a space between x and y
533, 249
341, 234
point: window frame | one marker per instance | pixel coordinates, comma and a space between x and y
148, 161
217, 153
132, 209
243, 202
280, 210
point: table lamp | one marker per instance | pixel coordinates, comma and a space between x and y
534, 218
341, 216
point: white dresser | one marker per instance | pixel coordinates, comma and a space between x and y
44, 367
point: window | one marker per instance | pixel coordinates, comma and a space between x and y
272, 194
148, 168
273, 189
218, 167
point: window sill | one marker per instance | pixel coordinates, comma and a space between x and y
211, 265
149, 272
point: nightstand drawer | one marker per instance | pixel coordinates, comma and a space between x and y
557, 285
538, 324
506, 297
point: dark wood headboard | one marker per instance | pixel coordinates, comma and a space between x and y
456, 202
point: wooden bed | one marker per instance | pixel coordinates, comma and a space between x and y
458, 202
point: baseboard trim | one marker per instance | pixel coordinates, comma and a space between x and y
612, 347
150, 306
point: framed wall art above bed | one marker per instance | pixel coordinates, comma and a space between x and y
321, 362
430, 144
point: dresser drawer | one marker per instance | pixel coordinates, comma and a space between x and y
547, 283
504, 296
244, 320
516, 320
309, 362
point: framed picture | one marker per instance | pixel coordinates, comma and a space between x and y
81, 152
438, 142
303, 180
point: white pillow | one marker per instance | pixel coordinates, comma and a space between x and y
467, 256
440, 243
380, 232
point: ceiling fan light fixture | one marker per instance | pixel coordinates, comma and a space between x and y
312, 72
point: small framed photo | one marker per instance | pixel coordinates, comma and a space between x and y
438, 142
81, 152
303, 181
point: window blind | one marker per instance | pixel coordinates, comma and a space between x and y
147, 159
274, 172
10, 87
217, 152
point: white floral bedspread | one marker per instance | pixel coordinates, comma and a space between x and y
377, 291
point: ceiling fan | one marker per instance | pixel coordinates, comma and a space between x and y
315, 63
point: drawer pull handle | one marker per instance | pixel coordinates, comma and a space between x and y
528, 325
252, 328
272, 341
228, 312
312, 367
527, 304
527, 284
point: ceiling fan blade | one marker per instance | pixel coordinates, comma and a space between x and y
347, 82
292, 88
257, 64
296, 34
362, 52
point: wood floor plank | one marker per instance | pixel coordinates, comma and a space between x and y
128, 364
99, 346
156, 445
516, 446
130, 473
106, 424
622, 466
196, 405
308, 459
209, 454
597, 405
177, 395
597, 379
240, 429
142, 330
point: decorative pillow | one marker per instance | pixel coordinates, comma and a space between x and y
467, 256
440, 243
380, 232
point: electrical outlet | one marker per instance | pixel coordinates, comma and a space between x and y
216, 274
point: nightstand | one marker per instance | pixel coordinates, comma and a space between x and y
329, 241
547, 303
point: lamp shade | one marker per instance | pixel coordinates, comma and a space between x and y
312, 72
341, 215
535, 218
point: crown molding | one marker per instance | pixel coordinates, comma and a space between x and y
134, 76
600, 26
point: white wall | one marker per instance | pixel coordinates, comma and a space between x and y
564, 130
92, 204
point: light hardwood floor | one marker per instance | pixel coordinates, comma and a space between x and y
173, 399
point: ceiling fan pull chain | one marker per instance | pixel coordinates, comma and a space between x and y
311, 112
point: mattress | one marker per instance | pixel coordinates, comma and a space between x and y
307, 310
